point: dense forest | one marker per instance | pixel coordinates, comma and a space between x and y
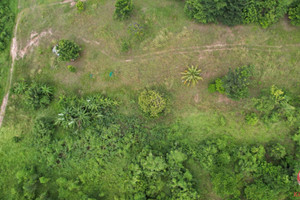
83, 146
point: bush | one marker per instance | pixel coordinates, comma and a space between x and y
136, 30
36, 95
251, 119
71, 68
152, 103
212, 88
277, 151
236, 82
67, 50
80, 6
125, 46
20, 87
220, 86
123, 9
294, 13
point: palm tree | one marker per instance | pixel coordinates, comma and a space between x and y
191, 76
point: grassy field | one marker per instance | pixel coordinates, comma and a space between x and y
171, 43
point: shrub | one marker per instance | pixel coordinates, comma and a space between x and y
123, 9
212, 88
20, 87
191, 76
136, 30
294, 13
236, 82
152, 103
80, 6
38, 95
220, 86
125, 46
67, 50
71, 68
251, 119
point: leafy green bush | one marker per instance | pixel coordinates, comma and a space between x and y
294, 13
236, 82
251, 119
67, 50
36, 95
274, 105
80, 6
123, 9
125, 46
71, 68
191, 76
220, 86
152, 103
277, 151
212, 88
20, 87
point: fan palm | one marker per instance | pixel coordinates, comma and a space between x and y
191, 76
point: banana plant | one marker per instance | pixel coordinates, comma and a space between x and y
191, 76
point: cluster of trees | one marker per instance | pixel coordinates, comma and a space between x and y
7, 18
233, 12
89, 150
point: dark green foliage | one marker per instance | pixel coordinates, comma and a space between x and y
43, 127
152, 103
123, 9
233, 12
236, 82
67, 50
7, 18
294, 13
83, 112
36, 95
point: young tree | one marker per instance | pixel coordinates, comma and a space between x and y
123, 9
191, 76
67, 50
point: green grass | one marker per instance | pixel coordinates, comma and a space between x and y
168, 47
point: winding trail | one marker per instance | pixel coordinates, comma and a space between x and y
35, 37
